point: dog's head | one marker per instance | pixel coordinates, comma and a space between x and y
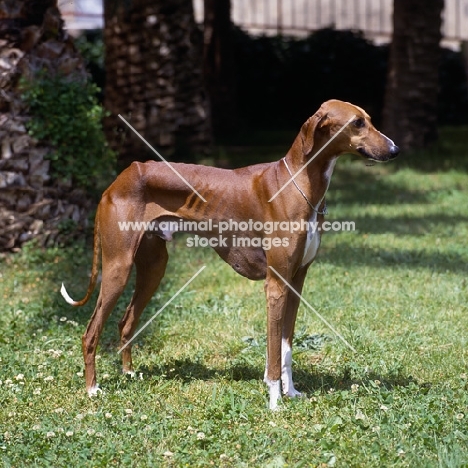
348, 129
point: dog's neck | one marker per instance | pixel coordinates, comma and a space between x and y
315, 179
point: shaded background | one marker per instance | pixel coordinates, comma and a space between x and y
199, 79
270, 64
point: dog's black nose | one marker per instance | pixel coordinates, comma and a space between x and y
394, 151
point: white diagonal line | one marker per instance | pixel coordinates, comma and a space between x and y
313, 310
162, 308
162, 159
311, 159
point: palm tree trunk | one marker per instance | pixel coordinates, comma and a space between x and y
410, 109
219, 65
154, 79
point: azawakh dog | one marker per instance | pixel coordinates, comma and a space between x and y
152, 191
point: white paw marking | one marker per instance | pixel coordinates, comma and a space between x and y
293, 393
93, 391
275, 393
286, 371
286, 382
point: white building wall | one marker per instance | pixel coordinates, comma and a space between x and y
298, 17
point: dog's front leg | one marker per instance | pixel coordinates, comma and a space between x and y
276, 295
288, 333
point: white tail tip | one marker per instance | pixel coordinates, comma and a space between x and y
65, 295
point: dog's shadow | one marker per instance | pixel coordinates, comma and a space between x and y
187, 370
311, 381
306, 380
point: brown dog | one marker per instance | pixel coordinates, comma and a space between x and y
152, 191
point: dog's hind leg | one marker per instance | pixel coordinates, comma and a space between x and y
150, 261
115, 274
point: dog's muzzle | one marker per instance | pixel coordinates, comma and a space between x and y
392, 153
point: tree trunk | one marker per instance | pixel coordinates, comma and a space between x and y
32, 204
154, 79
219, 65
410, 109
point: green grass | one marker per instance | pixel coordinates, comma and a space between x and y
396, 289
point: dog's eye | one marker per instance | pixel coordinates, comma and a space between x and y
359, 123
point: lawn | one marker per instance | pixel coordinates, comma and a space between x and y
396, 289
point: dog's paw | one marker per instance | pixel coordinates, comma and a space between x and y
293, 393
276, 408
275, 394
93, 391
289, 390
130, 373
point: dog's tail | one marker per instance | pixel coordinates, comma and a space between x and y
94, 271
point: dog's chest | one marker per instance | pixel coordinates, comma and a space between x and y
313, 233
312, 242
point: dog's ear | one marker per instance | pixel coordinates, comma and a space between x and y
318, 120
